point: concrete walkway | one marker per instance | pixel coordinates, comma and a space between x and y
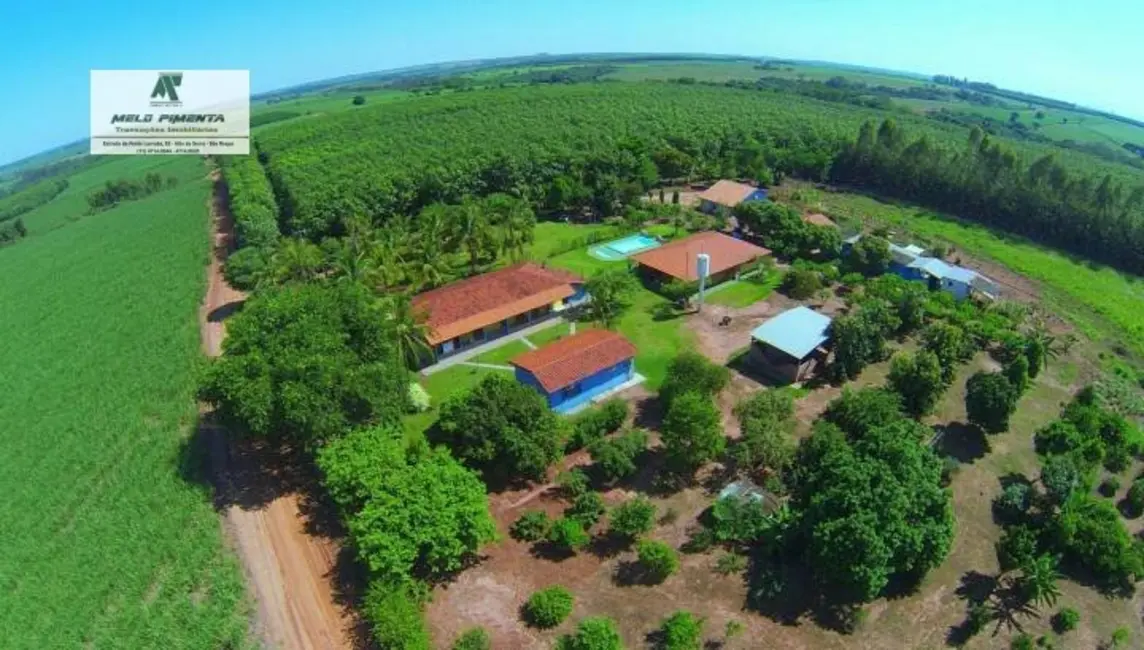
461, 357
490, 366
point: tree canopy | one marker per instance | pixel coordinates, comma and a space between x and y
411, 510
306, 363
503, 428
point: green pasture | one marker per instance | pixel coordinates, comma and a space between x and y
744, 293
109, 539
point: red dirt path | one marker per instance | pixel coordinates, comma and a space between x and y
290, 571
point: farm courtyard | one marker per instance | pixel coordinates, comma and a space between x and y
493, 591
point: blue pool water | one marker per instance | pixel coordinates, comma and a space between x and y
632, 243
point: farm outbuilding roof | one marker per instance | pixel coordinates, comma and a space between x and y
819, 220
678, 258
797, 332
727, 193
574, 358
482, 300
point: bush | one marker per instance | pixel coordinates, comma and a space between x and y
394, 615
573, 482
358, 100
1022, 641
1121, 637
978, 617
657, 559
593, 633
568, 534
245, 267
1018, 547
739, 519
587, 509
1065, 620
474, 639
1013, 502
730, 563
615, 458
681, 631
1109, 486
593, 425
548, 607
532, 526
801, 284
632, 519
1135, 497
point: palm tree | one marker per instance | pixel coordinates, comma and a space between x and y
410, 333
469, 230
296, 260
1038, 581
514, 219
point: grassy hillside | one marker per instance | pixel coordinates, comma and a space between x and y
104, 545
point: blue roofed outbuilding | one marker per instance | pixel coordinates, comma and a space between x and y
789, 346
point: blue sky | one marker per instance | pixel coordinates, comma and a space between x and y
1087, 52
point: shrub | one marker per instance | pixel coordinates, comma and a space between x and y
532, 526
548, 607
1121, 637
394, 615
681, 631
978, 617
801, 284
419, 398
568, 534
587, 509
1013, 502
1018, 547
1065, 620
1135, 497
730, 563
593, 425
739, 519
657, 559
593, 633
245, 267
1022, 641
474, 639
358, 100
1109, 486
632, 519
615, 458
573, 482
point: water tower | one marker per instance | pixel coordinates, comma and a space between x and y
702, 267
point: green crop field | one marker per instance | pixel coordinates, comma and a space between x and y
104, 544
71, 205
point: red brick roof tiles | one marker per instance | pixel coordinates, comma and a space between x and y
574, 358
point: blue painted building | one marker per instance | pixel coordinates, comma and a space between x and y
574, 370
912, 263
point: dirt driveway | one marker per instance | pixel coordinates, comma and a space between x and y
285, 541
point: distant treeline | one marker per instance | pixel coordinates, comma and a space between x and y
12, 231
1096, 217
574, 74
1029, 98
569, 75
115, 192
30, 198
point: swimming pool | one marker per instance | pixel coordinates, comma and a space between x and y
620, 248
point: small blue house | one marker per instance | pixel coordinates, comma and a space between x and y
912, 263
575, 370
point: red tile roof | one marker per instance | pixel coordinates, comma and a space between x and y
677, 258
482, 300
727, 193
574, 358
819, 220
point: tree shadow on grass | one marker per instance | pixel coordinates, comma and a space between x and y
546, 550
962, 441
608, 546
631, 573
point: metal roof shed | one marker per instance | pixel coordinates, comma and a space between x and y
797, 332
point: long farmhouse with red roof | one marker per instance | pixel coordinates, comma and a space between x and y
487, 306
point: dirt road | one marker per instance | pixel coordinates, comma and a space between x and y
290, 565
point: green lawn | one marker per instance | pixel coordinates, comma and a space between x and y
109, 539
550, 334
502, 354
744, 293
658, 341
555, 237
1099, 300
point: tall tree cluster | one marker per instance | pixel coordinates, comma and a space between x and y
1098, 216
